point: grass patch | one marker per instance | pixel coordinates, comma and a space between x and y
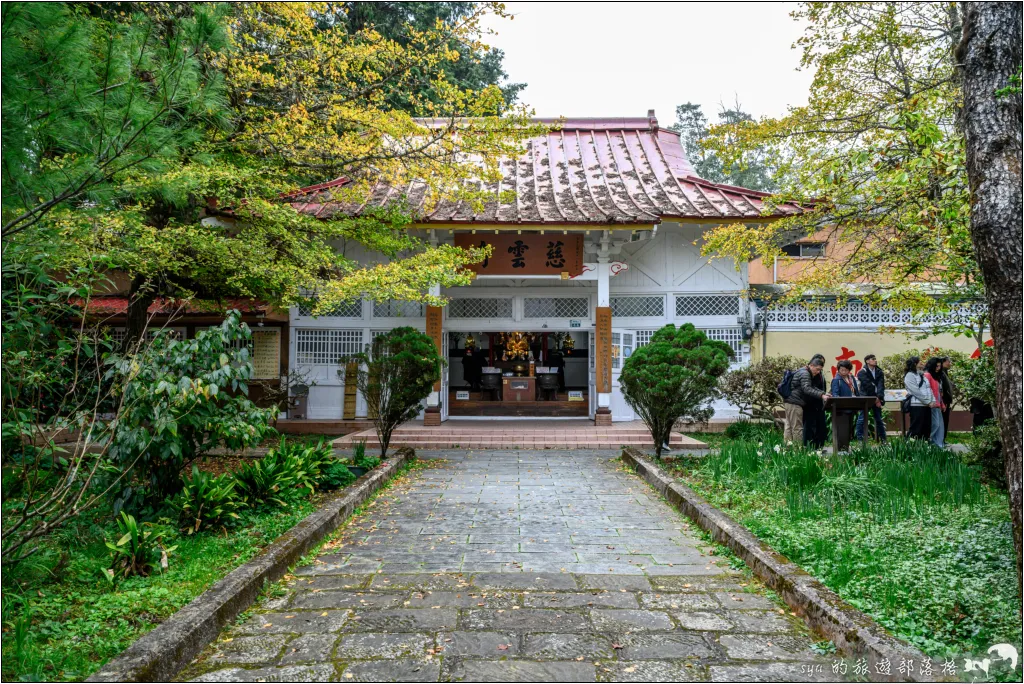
907, 533
63, 619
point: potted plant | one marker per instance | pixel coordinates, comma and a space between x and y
361, 463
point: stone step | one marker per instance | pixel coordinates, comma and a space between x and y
543, 441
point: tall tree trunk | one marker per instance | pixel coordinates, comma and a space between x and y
140, 296
988, 55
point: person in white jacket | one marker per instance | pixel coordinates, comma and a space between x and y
921, 399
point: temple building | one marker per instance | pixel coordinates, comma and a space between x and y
599, 249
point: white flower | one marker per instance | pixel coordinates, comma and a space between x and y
789, 443
760, 444
778, 448
760, 453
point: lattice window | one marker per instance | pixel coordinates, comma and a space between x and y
374, 334
638, 306
343, 310
556, 307
622, 348
118, 334
707, 305
480, 307
731, 336
326, 347
643, 337
394, 308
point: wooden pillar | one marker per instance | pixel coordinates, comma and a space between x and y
603, 364
432, 416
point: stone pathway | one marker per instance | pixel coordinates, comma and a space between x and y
515, 566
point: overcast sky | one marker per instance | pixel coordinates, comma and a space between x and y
621, 59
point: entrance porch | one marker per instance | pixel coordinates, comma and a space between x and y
469, 433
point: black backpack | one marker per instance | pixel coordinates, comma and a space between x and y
784, 389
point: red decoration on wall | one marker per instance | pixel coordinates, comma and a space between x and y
848, 354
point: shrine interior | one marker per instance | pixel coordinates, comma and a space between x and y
540, 374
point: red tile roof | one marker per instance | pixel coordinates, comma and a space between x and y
113, 305
587, 171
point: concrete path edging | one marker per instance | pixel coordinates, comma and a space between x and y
822, 609
160, 654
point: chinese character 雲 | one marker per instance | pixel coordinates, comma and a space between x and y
517, 250
555, 257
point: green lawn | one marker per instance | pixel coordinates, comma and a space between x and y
908, 534
62, 620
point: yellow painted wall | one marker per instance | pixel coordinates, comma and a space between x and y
805, 344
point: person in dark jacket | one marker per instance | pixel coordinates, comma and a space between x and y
872, 383
816, 431
472, 368
807, 390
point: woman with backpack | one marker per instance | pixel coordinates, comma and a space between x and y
920, 401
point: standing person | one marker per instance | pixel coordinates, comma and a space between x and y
946, 383
808, 392
844, 385
793, 404
921, 398
931, 374
818, 429
472, 368
872, 383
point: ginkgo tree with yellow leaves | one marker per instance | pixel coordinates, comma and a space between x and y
876, 158
289, 101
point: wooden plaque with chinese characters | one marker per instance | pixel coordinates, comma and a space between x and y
527, 253
434, 332
603, 349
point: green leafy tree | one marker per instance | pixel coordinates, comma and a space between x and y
875, 156
57, 407
92, 92
478, 65
276, 103
395, 375
748, 170
754, 389
674, 377
179, 399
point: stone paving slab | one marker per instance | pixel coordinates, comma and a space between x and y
422, 588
